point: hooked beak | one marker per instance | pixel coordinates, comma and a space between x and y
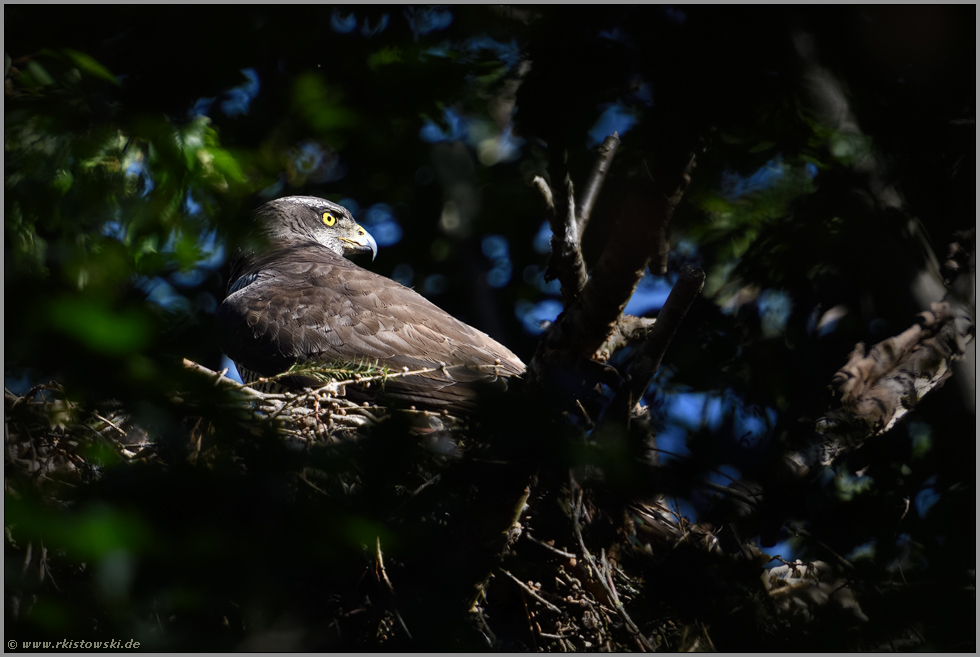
361, 242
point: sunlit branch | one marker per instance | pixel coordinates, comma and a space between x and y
566, 263
880, 386
596, 178
592, 319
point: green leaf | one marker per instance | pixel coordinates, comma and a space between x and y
320, 105
39, 74
62, 181
108, 331
384, 57
226, 164
89, 65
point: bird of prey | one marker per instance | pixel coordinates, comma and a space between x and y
298, 299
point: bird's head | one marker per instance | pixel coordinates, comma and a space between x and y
303, 218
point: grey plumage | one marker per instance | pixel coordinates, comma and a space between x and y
301, 300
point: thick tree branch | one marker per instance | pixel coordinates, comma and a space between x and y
629, 330
878, 387
588, 322
652, 351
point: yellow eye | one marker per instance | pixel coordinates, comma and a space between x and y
329, 219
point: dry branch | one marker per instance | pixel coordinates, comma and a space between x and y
607, 151
568, 220
652, 351
566, 263
589, 321
629, 330
880, 386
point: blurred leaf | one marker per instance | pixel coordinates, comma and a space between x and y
87, 533
384, 57
38, 74
99, 328
320, 105
88, 64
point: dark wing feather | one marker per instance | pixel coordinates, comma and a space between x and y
304, 302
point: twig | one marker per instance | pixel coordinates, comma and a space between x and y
802, 532
551, 636
302, 477
593, 185
530, 591
552, 548
223, 380
109, 422
492, 638
727, 490
428, 483
333, 386
381, 564
642, 642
